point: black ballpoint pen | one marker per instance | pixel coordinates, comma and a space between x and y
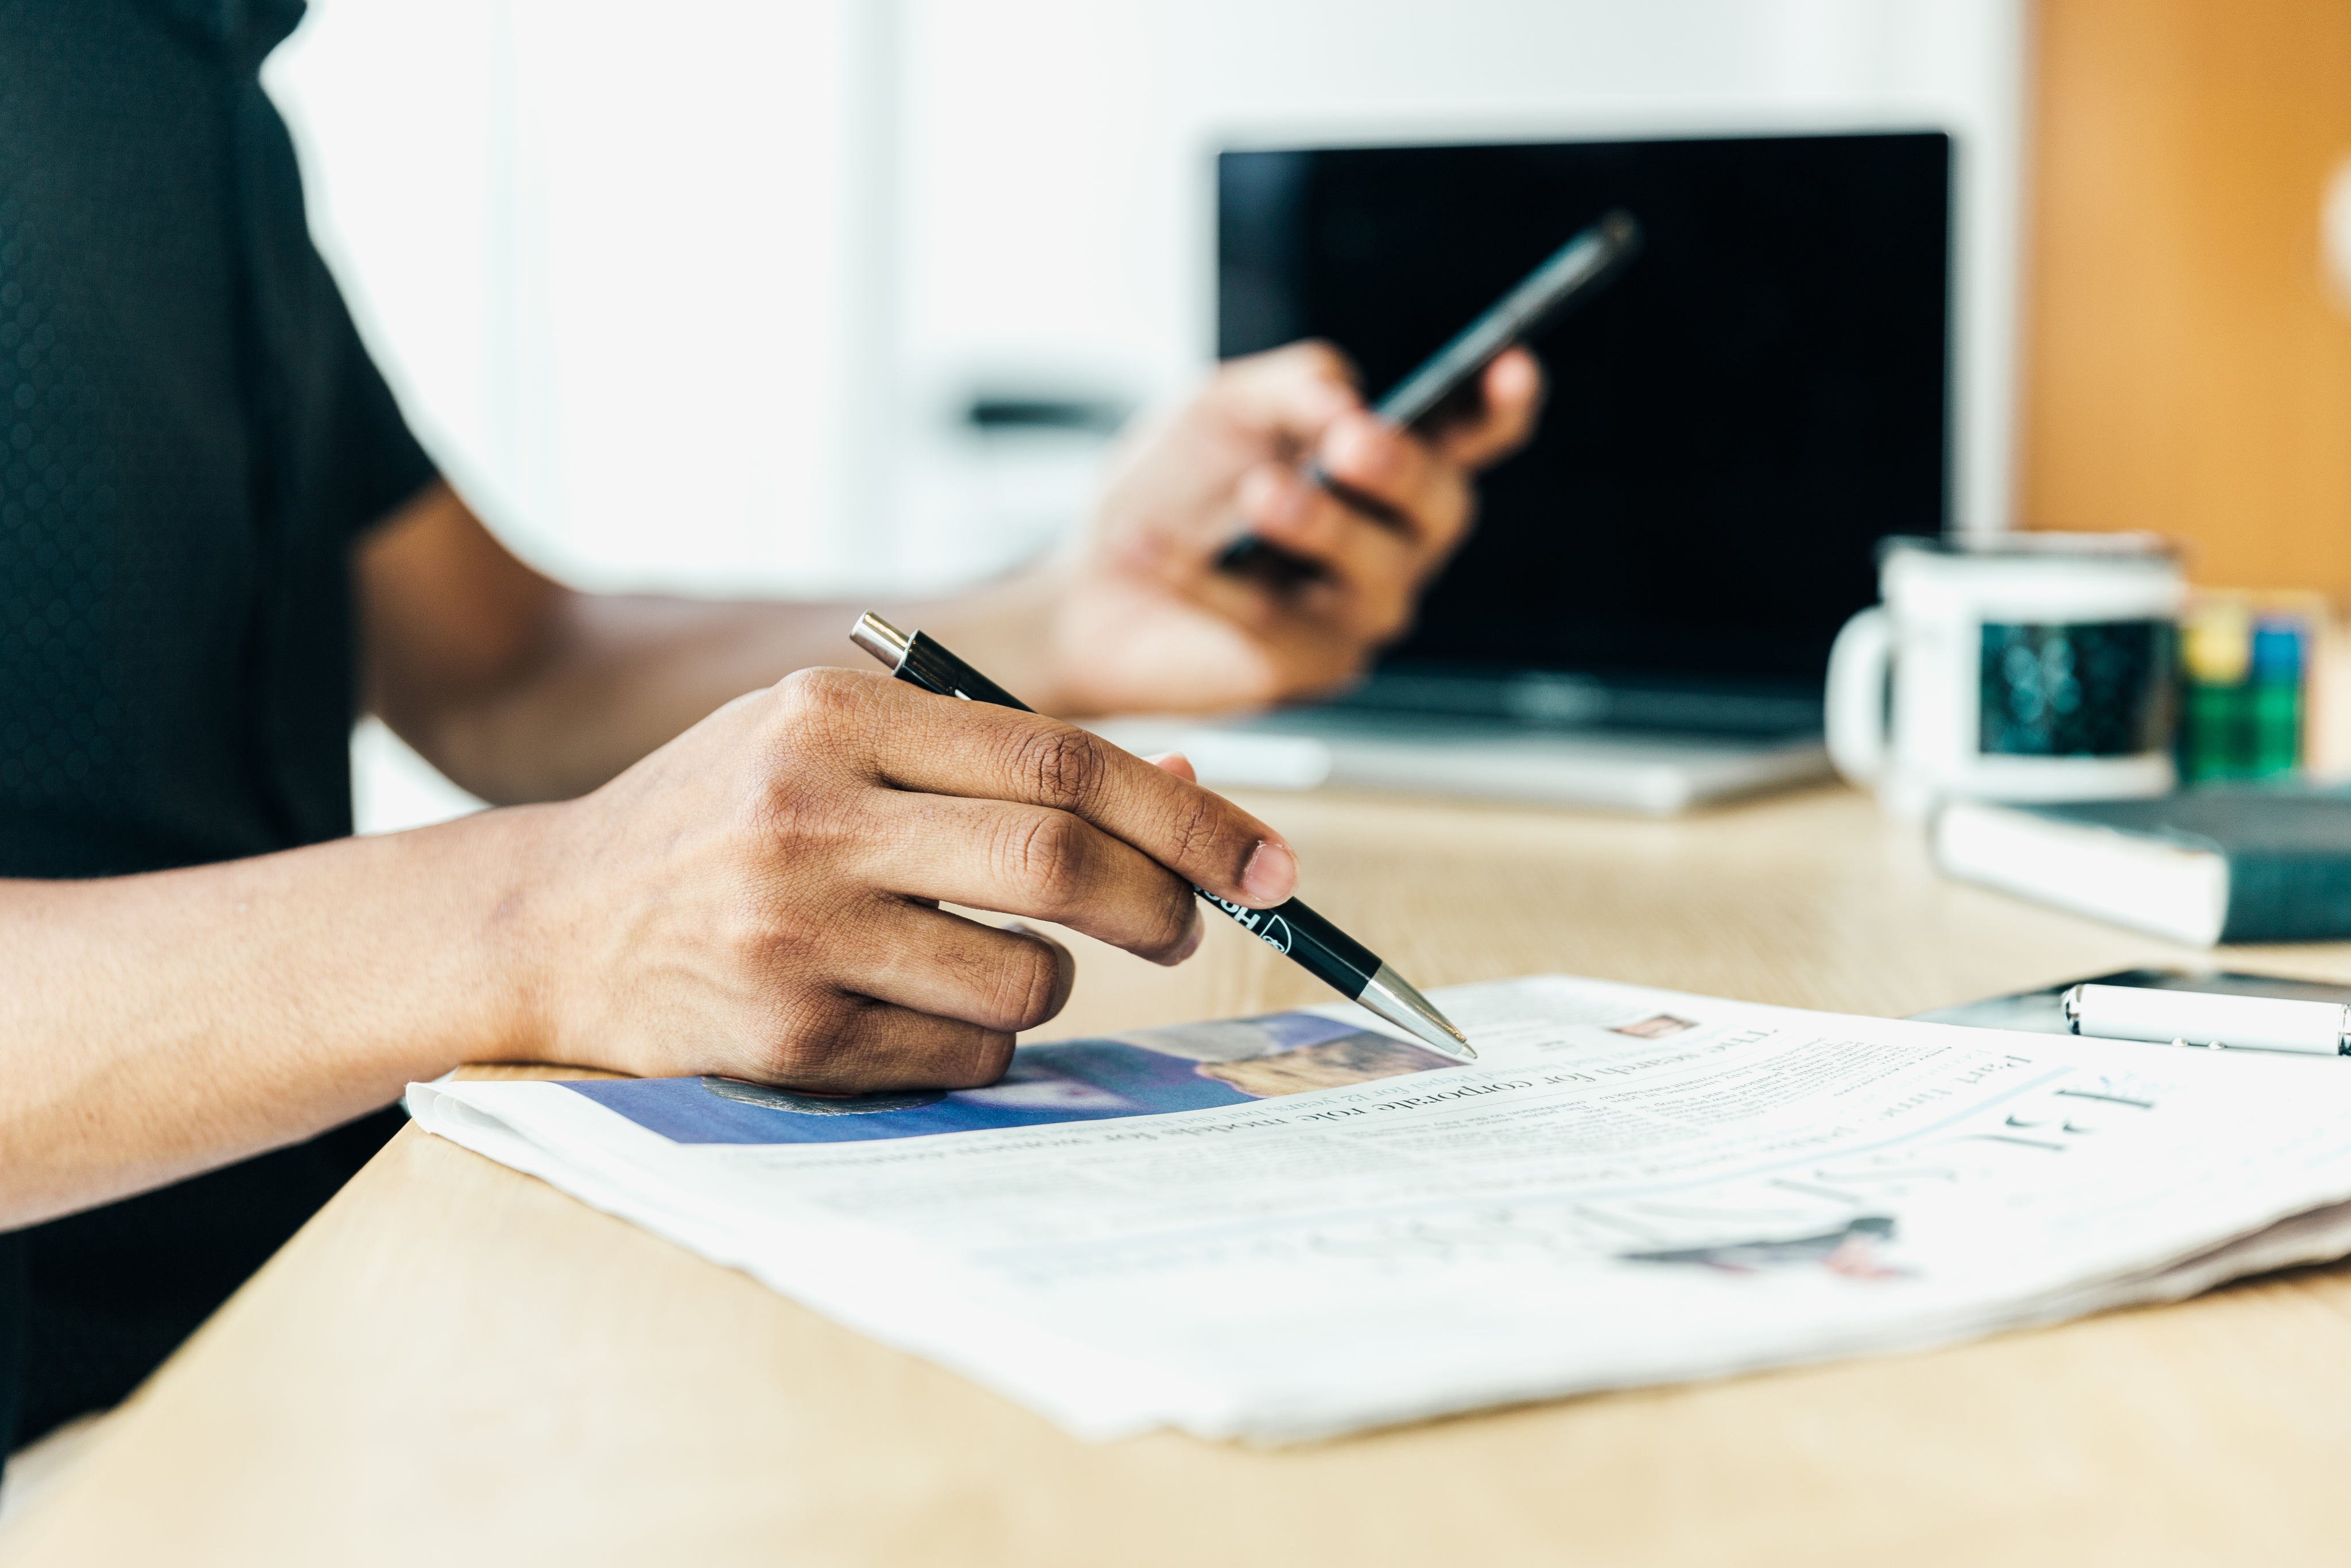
1313, 942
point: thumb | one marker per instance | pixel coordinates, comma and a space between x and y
1297, 390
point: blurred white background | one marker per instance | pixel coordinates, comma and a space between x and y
697, 298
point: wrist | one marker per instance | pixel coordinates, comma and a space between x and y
518, 864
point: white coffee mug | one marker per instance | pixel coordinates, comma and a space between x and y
2009, 667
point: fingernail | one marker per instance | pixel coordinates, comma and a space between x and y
1272, 873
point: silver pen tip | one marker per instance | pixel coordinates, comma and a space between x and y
1395, 998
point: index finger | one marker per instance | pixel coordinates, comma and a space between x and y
942, 745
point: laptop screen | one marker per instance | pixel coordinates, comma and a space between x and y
1733, 422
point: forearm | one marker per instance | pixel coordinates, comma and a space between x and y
620, 676
154, 1026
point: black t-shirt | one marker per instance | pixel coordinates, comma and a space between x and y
191, 439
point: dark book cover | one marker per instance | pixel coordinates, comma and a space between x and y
2288, 851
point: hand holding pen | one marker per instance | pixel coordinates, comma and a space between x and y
761, 897
1288, 925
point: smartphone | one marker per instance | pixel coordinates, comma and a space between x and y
1573, 273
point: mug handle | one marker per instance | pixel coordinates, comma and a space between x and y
1859, 663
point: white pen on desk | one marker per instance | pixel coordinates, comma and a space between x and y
2201, 1017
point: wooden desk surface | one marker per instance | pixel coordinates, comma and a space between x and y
454, 1363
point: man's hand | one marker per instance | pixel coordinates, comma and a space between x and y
759, 898
1148, 621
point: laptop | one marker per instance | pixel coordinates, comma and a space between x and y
1641, 619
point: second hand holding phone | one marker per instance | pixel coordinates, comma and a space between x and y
1573, 272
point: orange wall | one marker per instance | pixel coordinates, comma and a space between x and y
2185, 371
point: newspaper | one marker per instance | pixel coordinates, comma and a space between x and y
1286, 1228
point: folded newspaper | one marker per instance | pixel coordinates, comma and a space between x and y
1285, 1227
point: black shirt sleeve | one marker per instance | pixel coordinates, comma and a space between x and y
340, 455
12, 1339
375, 463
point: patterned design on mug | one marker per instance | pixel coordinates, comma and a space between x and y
2089, 689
